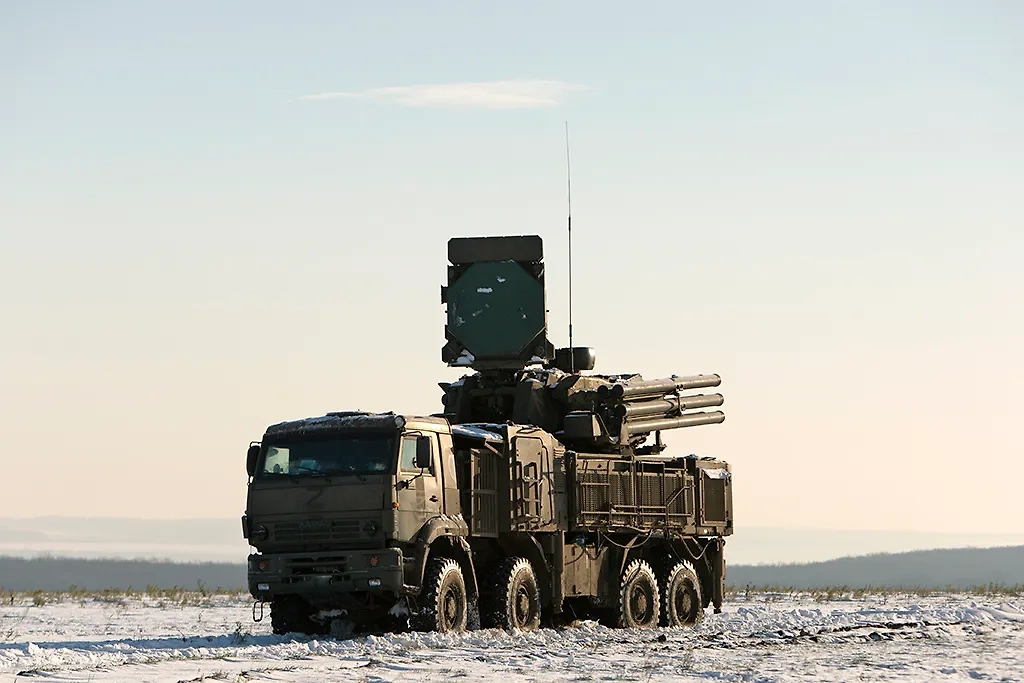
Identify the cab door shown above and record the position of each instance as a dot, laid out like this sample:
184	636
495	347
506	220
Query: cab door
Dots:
419	493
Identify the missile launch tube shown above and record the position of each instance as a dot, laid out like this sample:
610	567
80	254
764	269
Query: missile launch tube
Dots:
636	409
692	420
657	387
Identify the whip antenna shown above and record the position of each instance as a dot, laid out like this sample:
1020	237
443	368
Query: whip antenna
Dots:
568	178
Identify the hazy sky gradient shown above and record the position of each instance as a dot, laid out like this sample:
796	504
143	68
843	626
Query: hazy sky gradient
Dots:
218	216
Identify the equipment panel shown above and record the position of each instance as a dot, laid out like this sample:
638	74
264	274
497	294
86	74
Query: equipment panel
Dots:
609	492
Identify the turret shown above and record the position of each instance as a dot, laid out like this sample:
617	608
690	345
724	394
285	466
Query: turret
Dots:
497	326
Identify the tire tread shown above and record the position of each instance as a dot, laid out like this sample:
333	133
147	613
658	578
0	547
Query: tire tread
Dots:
672	568
634	567
496	610
426	618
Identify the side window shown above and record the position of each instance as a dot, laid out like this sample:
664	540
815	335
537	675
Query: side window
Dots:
409	455
276	461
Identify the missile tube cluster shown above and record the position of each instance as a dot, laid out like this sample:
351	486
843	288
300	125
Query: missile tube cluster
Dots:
648	406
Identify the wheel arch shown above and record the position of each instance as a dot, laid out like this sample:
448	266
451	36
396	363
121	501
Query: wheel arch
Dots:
442	538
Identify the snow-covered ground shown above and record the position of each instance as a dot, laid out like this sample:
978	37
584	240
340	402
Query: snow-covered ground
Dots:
765	638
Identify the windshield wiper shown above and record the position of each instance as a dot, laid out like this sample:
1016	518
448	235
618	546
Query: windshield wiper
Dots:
352	473
311	472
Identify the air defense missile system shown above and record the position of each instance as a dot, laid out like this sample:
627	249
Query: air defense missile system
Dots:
541	493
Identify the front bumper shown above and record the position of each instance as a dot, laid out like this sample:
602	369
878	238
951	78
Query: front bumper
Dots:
331	573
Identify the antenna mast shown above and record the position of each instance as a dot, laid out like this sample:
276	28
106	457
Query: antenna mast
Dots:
568	177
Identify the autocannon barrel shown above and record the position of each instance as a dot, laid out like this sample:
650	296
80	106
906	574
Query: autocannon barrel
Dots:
692	420
656	387
658	407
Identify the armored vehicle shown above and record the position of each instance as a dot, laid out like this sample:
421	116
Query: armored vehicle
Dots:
534	497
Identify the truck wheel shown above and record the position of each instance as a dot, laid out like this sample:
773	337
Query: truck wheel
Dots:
443	604
291	615
639	597
514	602
681	602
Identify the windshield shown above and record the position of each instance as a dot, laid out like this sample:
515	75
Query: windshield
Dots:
364	454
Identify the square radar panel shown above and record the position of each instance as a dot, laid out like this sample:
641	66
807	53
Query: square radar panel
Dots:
496	303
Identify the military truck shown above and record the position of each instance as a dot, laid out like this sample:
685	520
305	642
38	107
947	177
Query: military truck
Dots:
533	498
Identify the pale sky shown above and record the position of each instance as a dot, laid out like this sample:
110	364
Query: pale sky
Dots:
215	216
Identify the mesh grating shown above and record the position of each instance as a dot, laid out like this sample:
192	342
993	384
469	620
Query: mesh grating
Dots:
323	532
714	499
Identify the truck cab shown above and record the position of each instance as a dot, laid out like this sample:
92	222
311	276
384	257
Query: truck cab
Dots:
335	508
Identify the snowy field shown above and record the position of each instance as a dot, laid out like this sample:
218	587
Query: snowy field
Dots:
763	638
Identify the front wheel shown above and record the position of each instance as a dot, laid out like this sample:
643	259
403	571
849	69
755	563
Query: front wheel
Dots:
639	597
291	614
444	605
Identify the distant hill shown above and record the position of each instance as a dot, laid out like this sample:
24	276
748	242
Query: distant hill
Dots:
957	567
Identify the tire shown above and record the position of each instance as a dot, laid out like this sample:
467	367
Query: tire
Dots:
289	614
681	600
444	606
639	597
514	599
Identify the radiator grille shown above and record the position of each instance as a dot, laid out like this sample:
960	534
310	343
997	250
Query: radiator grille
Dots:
594	492
560	479
484	516
327	531
714	499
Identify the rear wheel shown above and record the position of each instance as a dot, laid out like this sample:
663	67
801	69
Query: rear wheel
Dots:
443	604
514	599
639	597
681	600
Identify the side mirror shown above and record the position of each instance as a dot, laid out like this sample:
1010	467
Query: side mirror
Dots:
422	453
250	458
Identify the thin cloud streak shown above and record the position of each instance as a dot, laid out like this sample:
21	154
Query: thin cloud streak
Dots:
510	94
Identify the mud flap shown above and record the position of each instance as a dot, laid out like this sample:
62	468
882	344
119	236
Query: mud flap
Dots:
472	588
718	575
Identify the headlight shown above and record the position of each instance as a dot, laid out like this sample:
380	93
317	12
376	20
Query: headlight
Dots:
370	528
261	533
